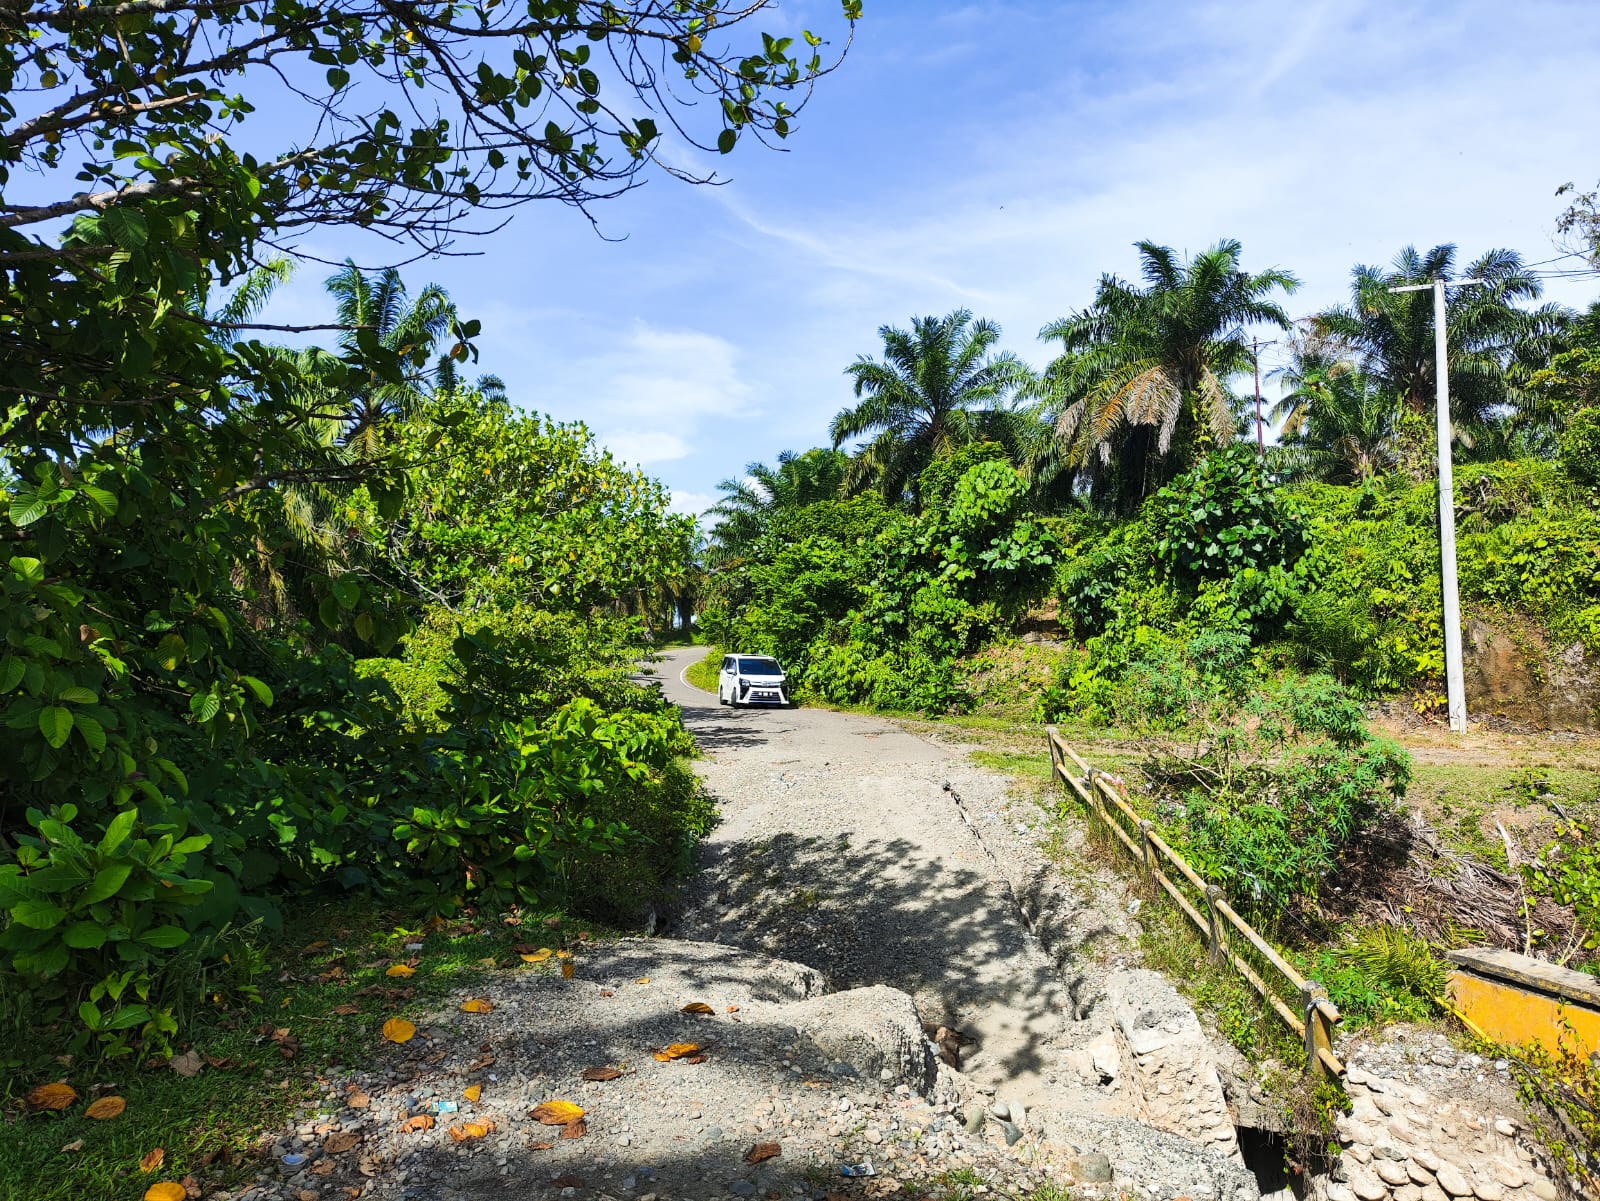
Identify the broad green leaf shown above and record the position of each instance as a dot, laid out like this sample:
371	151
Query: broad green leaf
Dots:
117	832
171	651
11	672
91	731
77	695
26	510
38	914
205	706
55	723
125	227
102	499
165	936
108	881
84	935
261	691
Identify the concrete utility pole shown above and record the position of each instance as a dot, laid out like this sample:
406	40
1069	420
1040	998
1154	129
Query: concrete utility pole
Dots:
1255	354
1455	682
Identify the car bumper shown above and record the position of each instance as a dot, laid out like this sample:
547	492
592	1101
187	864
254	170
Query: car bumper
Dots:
764	696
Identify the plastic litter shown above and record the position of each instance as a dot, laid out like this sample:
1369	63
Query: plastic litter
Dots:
857	1169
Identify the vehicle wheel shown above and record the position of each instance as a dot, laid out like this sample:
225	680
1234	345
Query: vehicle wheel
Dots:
721	700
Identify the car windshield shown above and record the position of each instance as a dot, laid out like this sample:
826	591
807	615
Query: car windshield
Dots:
750	666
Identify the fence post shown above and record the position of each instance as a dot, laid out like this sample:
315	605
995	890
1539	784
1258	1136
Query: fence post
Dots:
1319	1031
1055	752
1145	826
1214	933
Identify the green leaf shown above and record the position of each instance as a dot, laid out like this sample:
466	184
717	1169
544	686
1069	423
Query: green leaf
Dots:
26	510
27	569
165	937
125	227
11	672
726	141
108	881
55	723
338	78
195	842
77	695
103	500
91	731
89	1014
261	691
117	832
171	651
84	935
205	706
38	914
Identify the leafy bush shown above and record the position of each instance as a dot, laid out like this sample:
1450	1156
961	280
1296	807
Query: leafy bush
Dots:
1225	516
1580	446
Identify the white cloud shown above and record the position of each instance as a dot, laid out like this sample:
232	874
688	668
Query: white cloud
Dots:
643	448
692	503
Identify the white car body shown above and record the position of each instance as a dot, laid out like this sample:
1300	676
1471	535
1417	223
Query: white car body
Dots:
752	680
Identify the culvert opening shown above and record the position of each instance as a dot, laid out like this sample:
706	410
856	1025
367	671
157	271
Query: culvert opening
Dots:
1264	1153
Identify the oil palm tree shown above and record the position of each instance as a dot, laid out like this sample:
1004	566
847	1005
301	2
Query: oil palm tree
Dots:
1140	387
939	385
749	504
1390	334
409	328
1335	423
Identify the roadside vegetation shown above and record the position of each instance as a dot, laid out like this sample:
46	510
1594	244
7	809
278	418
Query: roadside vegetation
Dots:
1106	545
311	647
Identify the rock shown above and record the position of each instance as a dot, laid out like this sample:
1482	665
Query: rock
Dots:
1508	1174
1000	1110
869	1030
873	1135
1418	1171
974	1120
1426	1159
743	1188
1368	1187
1450	1179
1094	1167
1012	1132
1340	1192
1505	1128
1392	1173
1544	1190
1488	1190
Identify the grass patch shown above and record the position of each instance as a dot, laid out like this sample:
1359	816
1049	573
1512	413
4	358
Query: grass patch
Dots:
702	673
212	1126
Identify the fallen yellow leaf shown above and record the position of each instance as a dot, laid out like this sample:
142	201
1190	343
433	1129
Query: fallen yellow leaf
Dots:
556	1113
398	1030
167	1190
642	980
470	1130
538	956
53	1096
106	1107
477	1005
472	1092
401	969
422	1121
677	1051
153	1160
697	1007
563	954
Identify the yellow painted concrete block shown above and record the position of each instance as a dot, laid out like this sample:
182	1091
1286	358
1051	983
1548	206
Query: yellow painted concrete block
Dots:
1514	999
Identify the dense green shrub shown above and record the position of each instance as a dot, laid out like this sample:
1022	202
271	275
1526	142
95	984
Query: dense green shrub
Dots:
1580	446
1223	517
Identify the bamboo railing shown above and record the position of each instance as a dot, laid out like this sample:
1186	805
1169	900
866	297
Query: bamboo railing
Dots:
1227	935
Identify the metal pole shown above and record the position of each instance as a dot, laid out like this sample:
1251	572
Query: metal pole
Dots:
1455	684
1261	444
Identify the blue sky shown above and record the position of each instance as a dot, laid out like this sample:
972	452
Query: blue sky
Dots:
1000	157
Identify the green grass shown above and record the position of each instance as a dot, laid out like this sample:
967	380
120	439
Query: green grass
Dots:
208	1124
703	672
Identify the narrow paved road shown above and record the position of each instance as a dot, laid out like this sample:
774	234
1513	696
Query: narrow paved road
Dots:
842	846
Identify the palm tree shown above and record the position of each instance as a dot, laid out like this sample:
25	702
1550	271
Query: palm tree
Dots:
937	387
378	305
1390	334
1335	423
749	504
1141	384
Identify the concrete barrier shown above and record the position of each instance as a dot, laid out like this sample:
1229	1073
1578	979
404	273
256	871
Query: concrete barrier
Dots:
1514	999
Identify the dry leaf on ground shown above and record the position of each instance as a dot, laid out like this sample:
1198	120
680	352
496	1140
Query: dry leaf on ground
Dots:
186	1065
400	969
693	1059
105	1107
472	1092
191	1187
575	1129
75	1145
642	980
153	1160
166	1190
762	1152
218	1062
601	1073
359	1100
423	1121
556	1113
345	1010
52	1096
676	1051
477	1005
540	1146
733	1009
697	1007
398	1030
470	1130
338	1144
538	956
